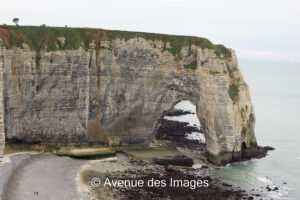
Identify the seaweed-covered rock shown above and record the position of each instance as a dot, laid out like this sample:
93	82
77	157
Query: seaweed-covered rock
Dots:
178	161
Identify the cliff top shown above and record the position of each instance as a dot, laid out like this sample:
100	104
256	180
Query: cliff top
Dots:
47	38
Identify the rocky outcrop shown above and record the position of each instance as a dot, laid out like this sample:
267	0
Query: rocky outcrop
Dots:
112	88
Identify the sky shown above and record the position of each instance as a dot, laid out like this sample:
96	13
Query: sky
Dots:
255	29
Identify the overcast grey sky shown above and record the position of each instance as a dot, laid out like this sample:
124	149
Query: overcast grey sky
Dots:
256	29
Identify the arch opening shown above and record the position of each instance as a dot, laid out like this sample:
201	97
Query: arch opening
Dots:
182	127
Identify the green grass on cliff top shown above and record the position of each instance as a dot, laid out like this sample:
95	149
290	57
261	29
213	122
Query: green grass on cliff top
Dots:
45	38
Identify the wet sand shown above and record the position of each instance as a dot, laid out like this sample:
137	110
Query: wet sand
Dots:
40	176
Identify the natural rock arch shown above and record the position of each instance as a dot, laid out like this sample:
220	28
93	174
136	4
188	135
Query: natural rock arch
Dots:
115	92
181	126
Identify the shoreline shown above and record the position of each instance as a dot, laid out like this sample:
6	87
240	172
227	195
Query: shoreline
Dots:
174	157
145	172
114	168
76	178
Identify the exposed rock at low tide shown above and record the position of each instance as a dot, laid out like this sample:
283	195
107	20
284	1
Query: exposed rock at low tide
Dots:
178	161
145	172
257	153
179	112
176	131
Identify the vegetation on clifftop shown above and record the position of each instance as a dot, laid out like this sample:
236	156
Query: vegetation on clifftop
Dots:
46	38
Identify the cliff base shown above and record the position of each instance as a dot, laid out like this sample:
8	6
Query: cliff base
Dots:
246	154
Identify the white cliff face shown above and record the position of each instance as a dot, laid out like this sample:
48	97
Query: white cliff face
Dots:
117	93
2	134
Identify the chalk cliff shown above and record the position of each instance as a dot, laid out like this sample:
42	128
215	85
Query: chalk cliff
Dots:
83	87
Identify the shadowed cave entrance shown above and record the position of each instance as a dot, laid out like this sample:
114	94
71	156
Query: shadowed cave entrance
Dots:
181	126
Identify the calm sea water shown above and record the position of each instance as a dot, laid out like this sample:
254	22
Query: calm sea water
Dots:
275	93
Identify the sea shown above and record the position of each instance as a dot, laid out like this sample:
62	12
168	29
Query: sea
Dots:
275	92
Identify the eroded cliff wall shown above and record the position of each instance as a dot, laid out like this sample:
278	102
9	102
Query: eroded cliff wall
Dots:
2	134
78	87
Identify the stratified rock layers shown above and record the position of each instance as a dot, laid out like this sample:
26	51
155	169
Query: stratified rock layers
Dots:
116	91
2	134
